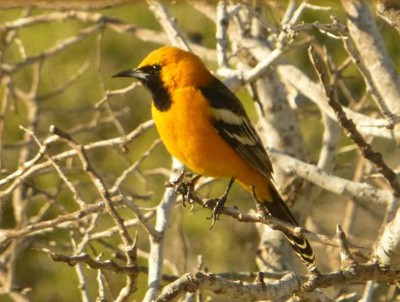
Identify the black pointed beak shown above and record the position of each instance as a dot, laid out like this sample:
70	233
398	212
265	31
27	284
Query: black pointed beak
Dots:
132	73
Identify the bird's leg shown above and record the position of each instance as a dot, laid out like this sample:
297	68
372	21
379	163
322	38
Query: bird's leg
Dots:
184	187
219	203
190	186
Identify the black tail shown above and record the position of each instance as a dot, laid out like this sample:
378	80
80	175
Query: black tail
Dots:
278	209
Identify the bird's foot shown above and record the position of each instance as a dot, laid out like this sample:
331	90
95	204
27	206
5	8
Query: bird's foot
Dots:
184	187
217	204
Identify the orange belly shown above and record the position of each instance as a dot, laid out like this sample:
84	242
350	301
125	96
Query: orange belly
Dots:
188	135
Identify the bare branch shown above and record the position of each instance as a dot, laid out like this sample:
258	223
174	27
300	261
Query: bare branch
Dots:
245	291
387	251
351	129
94	264
168	22
369	42
158	243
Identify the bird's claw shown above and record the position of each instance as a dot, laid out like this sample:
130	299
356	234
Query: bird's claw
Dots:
184	187
217	205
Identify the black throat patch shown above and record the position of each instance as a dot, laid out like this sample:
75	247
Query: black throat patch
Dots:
154	84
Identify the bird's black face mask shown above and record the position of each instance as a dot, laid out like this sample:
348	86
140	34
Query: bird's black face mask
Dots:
150	77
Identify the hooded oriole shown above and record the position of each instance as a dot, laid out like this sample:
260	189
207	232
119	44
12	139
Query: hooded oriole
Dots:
204	125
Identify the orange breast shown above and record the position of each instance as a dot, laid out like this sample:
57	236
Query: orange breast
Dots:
188	135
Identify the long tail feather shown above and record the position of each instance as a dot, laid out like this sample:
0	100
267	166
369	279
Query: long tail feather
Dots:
278	209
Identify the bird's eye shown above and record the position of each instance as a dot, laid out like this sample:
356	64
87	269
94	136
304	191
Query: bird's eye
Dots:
156	67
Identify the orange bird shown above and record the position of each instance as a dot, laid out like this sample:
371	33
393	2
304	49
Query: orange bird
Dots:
204	125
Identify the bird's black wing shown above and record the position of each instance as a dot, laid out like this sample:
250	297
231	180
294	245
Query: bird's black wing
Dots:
232	123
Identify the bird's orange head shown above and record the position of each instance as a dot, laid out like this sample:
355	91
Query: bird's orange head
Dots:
169	68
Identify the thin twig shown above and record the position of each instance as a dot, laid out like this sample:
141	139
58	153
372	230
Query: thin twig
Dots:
365	148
